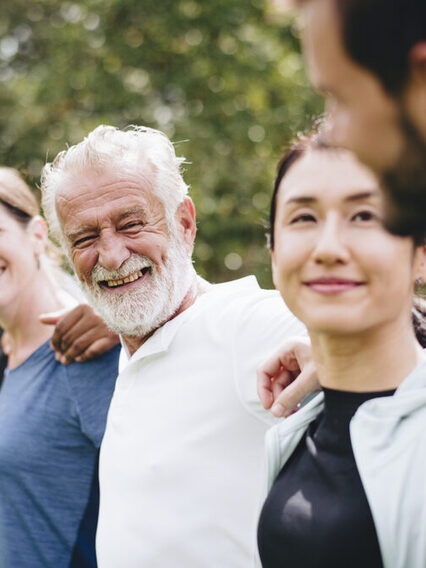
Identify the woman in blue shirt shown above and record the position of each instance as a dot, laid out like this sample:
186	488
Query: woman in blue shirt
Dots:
52	416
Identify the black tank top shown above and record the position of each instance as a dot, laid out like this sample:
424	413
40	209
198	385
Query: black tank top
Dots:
317	514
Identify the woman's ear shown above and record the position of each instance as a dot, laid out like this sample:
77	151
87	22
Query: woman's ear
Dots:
37	230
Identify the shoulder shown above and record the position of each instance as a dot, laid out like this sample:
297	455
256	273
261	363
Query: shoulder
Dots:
105	363
91	385
244	298
41	363
100	370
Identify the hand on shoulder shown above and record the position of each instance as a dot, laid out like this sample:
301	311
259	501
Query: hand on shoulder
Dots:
79	334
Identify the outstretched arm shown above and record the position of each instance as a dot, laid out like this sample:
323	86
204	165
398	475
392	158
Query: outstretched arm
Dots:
287	377
80	334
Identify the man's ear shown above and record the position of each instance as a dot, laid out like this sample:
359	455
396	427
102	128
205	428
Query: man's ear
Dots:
185	217
417	60
37	229
415	90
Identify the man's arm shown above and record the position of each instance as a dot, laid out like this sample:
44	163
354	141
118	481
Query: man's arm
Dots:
79	334
287	377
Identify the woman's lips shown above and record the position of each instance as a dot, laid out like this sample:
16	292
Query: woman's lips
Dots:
331	286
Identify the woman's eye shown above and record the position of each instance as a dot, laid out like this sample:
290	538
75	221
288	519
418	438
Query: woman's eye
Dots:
364	216
303	218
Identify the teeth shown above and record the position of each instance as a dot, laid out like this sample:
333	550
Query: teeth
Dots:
130	278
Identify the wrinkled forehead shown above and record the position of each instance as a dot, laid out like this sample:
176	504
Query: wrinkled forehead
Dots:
101	180
103	191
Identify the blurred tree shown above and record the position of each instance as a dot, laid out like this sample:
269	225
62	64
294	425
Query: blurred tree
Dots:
223	79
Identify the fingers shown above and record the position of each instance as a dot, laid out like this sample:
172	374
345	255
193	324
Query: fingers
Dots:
52	318
67	329
274	374
290	397
264	389
81	334
270	386
287	377
99	347
95	349
281	382
74	345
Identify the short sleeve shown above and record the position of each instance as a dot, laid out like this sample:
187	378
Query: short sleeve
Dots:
92	385
263	324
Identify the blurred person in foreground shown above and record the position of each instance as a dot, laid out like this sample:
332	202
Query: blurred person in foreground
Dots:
52	416
369	58
347	472
181	460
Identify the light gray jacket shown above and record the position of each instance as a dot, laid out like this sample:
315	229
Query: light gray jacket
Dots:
388	437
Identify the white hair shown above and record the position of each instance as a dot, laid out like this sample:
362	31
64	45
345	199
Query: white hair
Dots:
146	149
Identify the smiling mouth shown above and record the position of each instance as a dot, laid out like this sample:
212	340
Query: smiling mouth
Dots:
332	285
127	280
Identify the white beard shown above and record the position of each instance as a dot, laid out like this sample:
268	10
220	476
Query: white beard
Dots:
139	312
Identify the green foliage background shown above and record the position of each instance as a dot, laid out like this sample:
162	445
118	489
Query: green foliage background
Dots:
223	79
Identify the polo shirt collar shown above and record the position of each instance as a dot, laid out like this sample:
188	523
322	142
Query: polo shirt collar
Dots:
162	338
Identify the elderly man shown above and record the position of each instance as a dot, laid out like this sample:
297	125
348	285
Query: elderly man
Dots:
369	58
181	460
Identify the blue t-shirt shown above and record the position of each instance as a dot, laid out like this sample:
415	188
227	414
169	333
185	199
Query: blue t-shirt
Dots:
52	419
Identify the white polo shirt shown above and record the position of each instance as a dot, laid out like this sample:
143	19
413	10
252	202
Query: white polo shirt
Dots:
182	457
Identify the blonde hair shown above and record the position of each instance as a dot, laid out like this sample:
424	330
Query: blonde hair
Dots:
15	194
21	203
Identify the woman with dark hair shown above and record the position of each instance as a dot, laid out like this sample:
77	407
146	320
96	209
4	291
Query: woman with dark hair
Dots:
346	472
52	416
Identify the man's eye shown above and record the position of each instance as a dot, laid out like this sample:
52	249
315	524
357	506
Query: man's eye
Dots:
83	241
133	225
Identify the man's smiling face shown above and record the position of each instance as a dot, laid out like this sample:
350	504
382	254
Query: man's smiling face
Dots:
133	270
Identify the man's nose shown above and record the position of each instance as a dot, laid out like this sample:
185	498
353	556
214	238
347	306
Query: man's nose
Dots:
112	252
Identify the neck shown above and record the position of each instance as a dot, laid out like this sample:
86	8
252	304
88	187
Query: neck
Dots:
20	320
198	287
373	361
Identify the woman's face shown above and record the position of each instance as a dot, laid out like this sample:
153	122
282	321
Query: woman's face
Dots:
336	267
18	249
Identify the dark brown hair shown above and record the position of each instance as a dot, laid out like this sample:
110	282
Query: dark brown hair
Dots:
419	319
379	34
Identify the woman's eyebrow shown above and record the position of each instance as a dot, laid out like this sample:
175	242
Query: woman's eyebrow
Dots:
301	199
359	196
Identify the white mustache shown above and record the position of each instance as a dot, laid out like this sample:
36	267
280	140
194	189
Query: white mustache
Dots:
133	264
